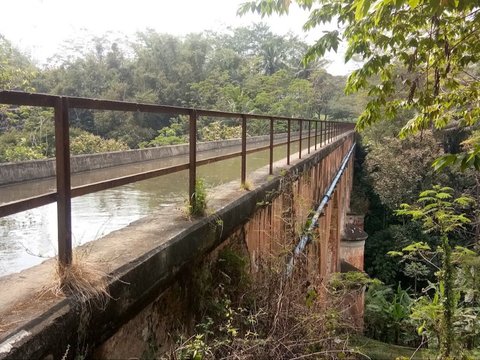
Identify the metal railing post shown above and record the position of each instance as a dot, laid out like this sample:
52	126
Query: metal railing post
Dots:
328	132
325	132
244	150
289	128
192	173
271	147
316	133
321	134
64	196
309	134
300	140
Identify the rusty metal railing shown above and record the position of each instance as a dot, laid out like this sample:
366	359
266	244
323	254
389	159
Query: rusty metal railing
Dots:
326	131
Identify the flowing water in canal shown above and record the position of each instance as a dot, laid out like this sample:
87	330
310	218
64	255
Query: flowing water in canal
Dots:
29	237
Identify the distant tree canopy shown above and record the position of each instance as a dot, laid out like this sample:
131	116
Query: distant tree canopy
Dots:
17	71
243	70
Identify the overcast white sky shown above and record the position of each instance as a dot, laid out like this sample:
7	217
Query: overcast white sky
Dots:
40	26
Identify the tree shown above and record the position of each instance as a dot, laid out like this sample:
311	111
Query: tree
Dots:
86	143
439	213
393	180
274	52
16	69
176	133
249	70
426	51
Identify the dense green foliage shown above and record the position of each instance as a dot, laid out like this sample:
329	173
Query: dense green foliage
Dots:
438	212
385	180
245	70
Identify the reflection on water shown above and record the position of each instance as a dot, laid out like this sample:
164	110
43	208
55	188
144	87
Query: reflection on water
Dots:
29	237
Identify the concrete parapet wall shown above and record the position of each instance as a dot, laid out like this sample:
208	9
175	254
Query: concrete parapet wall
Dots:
11	173
150	292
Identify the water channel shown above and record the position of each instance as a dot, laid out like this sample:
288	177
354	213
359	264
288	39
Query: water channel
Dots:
29	237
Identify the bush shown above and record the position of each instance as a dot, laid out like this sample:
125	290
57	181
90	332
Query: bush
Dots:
199	205
87	143
388	315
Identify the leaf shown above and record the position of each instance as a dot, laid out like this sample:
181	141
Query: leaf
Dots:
416	247
420	329
394	253
464	201
427	193
413	3
362	8
443	196
460	250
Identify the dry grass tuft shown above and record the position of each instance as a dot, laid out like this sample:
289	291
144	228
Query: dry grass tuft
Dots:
247	185
82	281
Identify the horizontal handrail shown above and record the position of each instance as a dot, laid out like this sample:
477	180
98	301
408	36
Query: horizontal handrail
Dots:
44	199
64	192
27	204
46	100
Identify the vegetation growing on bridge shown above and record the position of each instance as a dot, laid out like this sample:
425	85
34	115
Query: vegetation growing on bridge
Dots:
265	315
199	206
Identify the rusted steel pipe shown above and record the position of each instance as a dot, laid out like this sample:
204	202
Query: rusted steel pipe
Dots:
40	200
45	100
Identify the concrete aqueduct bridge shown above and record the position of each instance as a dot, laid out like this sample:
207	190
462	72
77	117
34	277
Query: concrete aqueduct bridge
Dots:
151	259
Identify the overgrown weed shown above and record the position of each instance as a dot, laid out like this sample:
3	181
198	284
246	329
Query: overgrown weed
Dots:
83	281
263	316
251	309
247	185
198	206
